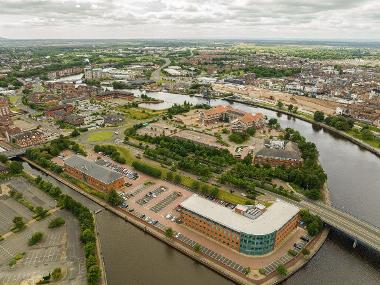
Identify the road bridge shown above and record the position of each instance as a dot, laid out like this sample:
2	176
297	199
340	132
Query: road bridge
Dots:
361	231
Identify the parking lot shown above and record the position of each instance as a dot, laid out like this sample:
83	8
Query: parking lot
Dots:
9	208
59	247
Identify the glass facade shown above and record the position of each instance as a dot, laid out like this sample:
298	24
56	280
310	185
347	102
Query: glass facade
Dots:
257	245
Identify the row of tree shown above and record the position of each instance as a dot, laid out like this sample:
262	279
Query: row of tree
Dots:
111	151
87	226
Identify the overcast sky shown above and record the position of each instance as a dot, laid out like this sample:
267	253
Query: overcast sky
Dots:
236	19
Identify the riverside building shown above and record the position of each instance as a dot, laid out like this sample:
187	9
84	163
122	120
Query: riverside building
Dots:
251	230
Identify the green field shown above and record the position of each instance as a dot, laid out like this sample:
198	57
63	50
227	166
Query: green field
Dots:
100	136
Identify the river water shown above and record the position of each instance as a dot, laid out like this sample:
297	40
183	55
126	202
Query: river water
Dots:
133	257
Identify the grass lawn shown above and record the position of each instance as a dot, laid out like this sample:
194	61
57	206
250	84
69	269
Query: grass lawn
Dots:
374	143
13	98
138	113
100	136
235	199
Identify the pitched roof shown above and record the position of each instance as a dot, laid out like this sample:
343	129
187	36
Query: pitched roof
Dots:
248	117
217	110
92	169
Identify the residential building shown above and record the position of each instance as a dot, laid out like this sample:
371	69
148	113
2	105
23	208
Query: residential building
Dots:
248	121
28	138
97	176
249	230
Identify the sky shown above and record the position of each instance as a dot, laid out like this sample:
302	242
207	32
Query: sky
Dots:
190	19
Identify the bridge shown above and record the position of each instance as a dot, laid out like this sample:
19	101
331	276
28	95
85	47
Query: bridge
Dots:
359	230
14	153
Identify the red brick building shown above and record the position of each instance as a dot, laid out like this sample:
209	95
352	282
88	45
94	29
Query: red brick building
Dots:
97	176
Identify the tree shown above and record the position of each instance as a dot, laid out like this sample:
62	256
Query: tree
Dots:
18	223
90	261
247	270
170	176
248	159
3	158
90	248
305	251
280	105
367	134
40	212
87	235
272	122
56	274
177	179
113	198
197	247
36	238
169	232
93	275
15	167
319	116
281	269
290	107
196	185
214	192
75	133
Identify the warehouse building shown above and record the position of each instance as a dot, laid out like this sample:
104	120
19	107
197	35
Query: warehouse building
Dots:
100	177
244	230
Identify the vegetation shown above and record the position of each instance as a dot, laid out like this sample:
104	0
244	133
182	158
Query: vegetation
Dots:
15	167
197	247
147	169
36	238
314	224
57	222
86	222
305	251
56	274
19	224
292	252
16	258
247	270
268	72
119	85
169	232
113	198
340	123
43	155
111	151
100	136
238	138
281	269
319	116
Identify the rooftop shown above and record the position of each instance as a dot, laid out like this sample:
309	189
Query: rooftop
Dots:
273	219
92	169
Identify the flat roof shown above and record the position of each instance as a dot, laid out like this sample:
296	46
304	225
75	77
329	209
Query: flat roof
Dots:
90	168
273	219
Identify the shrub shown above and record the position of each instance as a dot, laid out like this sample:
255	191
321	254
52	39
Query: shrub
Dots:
36	238
57	222
56	274
282	270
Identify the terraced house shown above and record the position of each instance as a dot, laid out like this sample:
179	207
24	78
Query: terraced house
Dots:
250	230
100	177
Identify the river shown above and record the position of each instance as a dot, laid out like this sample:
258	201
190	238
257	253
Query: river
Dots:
133	257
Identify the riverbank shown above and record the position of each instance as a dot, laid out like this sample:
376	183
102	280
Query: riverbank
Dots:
322	125
272	278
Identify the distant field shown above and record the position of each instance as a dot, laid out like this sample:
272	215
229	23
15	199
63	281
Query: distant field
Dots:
100	136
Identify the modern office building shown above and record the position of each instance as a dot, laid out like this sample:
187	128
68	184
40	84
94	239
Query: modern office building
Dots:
100	177
250	230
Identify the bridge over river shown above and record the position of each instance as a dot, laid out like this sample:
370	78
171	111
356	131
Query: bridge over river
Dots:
361	231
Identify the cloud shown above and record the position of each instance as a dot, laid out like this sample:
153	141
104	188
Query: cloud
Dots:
190	18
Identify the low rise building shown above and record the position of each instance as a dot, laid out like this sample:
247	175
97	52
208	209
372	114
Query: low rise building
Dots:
249	230
279	153
28	138
97	176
